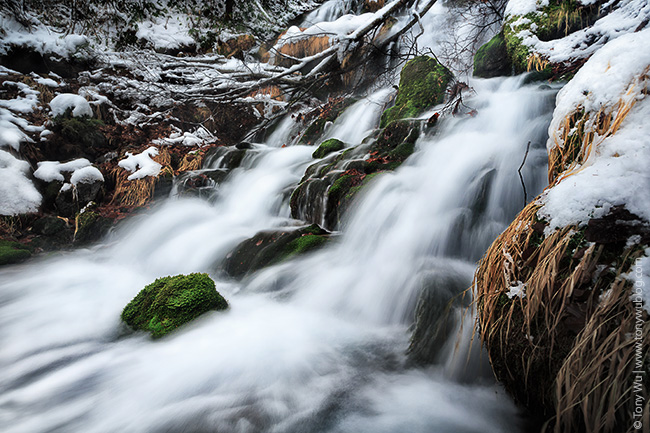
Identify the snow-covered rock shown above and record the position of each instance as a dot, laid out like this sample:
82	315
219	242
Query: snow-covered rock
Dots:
17	192
78	104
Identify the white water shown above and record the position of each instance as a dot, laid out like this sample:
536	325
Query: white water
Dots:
313	345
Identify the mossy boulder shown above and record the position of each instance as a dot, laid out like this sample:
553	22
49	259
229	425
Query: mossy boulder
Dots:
491	60
327	147
271	247
422	85
170	302
13	252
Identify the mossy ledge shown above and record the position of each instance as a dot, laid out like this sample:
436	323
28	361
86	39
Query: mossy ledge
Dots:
491	60
13	252
171	302
422	85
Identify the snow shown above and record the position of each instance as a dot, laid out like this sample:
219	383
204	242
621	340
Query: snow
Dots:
10	134
141	165
519	290
334	29
49	171
64	101
88	174
167	33
523	7
22	104
45	81
199	137
615	173
39	37
17	193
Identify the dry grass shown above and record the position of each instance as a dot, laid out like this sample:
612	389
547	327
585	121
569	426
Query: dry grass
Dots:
138	192
537	62
560	340
582	132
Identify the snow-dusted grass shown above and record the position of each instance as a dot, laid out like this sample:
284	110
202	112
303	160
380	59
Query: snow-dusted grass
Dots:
614	171
625	17
17	192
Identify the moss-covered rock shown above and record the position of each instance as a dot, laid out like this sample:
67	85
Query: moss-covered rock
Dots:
13	252
327	147
170	302
90	226
491	60
422	85
270	247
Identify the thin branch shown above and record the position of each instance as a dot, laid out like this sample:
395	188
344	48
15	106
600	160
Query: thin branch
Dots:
523	185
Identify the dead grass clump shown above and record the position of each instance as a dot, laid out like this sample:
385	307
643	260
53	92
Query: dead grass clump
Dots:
565	349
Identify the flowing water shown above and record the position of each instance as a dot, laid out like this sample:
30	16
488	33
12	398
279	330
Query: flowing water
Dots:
317	344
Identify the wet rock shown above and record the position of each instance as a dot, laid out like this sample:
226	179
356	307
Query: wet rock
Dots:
91	227
270	247
327	147
170	302
330	186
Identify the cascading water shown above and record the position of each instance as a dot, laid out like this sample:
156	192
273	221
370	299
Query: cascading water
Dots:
316	344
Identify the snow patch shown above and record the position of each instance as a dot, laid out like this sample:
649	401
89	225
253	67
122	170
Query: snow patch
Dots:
519	290
167	33
81	169
17	192
199	137
141	165
64	101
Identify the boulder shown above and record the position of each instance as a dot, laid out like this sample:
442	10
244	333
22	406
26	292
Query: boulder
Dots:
170	302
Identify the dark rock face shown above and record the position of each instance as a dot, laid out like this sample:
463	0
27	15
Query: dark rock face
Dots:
170	302
271	247
491	60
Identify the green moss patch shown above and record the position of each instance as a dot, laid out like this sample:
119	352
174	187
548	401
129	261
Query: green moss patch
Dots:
491	60
422	85
327	147
170	302
13	252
